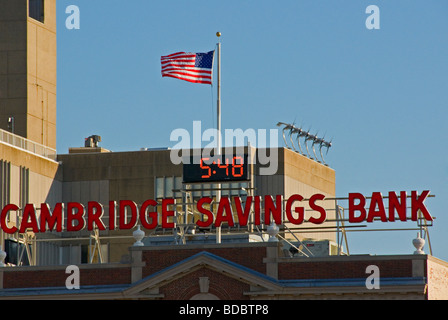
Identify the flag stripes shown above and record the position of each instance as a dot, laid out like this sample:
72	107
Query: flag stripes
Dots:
192	67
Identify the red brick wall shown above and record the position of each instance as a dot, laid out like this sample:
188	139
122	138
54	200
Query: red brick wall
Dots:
343	269
31	279
223	287
105	276
57	278
251	257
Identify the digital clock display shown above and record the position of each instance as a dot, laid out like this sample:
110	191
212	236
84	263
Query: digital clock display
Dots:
225	168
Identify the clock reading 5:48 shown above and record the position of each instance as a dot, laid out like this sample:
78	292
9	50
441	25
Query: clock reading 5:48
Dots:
235	169
217	169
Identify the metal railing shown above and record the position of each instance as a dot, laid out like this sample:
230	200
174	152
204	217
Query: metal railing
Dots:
28	145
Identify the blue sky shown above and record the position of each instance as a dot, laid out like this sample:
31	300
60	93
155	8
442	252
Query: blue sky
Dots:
382	95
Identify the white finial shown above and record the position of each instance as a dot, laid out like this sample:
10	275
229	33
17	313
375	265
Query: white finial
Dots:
418	243
138	236
272	232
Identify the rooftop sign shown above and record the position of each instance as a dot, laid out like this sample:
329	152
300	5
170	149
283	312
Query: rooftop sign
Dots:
74	216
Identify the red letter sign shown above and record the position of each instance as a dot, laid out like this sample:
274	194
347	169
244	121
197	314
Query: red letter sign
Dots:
358	207
79	216
417	203
299	210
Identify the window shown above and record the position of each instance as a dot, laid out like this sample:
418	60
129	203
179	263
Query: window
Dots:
17	253
5	183
24	186
36	10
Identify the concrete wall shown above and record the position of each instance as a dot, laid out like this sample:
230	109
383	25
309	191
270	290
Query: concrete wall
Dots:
115	176
41	77
28	71
31	179
298	174
13	64
437	272
131	175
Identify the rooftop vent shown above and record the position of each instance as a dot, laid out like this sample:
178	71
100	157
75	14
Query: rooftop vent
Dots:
90	146
92	141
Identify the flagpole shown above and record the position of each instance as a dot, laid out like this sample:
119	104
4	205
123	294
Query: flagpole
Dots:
218	34
218	193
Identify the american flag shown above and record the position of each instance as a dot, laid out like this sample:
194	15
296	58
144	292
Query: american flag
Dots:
192	67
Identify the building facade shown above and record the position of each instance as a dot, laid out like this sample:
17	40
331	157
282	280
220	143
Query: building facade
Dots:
244	271
28	70
176	258
33	174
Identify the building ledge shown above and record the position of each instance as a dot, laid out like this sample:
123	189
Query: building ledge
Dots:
88	150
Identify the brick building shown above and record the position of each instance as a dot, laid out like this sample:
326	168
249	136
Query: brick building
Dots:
181	262
233	272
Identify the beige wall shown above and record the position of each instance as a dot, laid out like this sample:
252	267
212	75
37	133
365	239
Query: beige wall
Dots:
437	273
309	172
44	179
40	165
44	189
114	176
298	174
13	63
131	176
41	77
28	71
118	176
